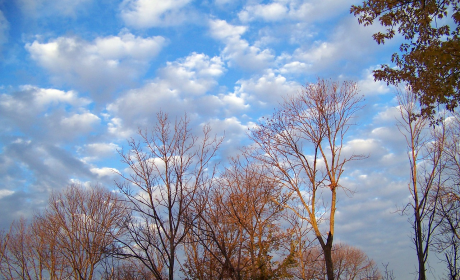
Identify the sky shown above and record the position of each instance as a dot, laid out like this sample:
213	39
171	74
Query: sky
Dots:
79	77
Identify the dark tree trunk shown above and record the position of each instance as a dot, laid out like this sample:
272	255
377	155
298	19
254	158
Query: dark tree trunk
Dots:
327	250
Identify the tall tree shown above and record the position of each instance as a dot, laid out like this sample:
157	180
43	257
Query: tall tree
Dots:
168	168
429	57
303	145
425	147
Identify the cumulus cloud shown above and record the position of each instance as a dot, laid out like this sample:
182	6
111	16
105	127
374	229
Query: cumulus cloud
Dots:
293	10
79	122
98	150
388	115
267	89
104	172
238	51
349	41
150	13
268	12
184	83
100	66
369	86
42	113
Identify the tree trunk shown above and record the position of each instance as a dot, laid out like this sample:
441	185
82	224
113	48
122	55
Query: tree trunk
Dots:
327	249
420	253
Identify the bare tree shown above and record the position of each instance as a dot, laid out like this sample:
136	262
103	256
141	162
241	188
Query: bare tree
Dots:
18	261
240	231
425	147
350	263
28	255
388	273
447	239
124	269
302	142
168	168
83	224
4	238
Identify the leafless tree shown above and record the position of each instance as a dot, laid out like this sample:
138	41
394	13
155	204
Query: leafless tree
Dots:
168	168
447	239
27	254
302	142
17	261
350	263
4	238
240	231
388	273
83	224
425	147
124	269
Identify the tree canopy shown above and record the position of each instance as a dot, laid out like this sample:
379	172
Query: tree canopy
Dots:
429	58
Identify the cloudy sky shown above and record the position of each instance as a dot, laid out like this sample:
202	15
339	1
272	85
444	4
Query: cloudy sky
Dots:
78	77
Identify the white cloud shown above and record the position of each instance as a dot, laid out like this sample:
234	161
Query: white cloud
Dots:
369	86
80	122
100	149
49	97
104	172
348	42
30	101
237	50
235	102
235	132
267	12
389	114
100	66
298	10
221	30
366	147
268	89
294	67
195	74
181	86
5	193
47	113
150	13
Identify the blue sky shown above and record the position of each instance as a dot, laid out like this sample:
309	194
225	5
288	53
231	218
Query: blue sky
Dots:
78	77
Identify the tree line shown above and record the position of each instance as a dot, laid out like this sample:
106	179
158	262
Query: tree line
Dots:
268	213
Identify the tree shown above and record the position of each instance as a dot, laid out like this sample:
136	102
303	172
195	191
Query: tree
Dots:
429	58
168	168
302	144
83	224
19	258
425	149
349	263
69	240
447	239
240	233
